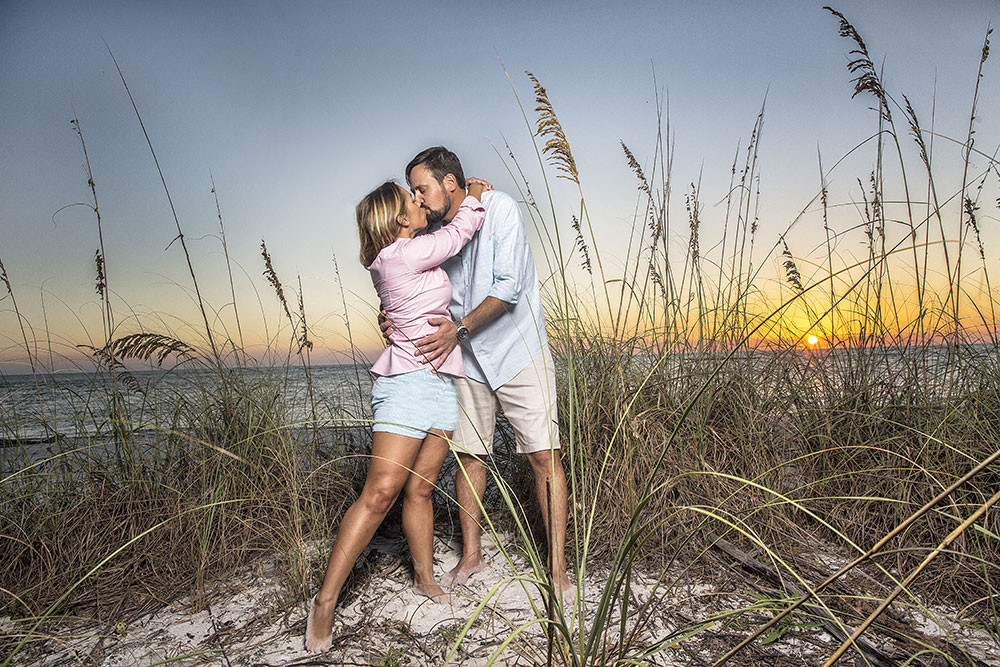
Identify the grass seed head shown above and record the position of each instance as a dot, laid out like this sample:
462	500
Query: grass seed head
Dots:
548	125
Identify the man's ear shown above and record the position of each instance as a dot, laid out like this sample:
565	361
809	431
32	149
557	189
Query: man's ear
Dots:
450	182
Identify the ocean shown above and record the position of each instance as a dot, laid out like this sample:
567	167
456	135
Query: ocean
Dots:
77	404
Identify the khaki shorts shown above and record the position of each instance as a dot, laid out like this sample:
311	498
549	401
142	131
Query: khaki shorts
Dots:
528	401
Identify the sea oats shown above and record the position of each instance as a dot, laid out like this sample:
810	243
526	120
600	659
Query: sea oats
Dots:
149	347
272	278
548	125
918	136
691	204
115	368
971	221
303	337
581	244
102	283
636	168
792	274
4	278
866	79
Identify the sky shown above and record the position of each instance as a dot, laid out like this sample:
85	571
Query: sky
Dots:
296	109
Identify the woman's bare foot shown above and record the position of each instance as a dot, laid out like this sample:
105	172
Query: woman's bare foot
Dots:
465	569
432	591
319	626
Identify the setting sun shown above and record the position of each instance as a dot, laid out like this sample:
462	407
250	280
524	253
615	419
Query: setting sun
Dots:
812	340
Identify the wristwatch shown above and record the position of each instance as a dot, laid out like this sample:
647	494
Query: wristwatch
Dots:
463	331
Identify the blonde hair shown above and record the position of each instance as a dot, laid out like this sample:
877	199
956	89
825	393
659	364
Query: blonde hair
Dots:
378	219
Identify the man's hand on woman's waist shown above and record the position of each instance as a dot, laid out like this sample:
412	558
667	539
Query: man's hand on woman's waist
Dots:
439	344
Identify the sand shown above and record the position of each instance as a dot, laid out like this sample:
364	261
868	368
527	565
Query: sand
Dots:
252	620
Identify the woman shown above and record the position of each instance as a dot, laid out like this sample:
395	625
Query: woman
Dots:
414	407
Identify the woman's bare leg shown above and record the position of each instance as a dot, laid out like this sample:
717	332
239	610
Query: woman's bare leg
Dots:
392	460
418	513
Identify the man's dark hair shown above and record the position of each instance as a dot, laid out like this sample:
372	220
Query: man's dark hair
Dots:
441	162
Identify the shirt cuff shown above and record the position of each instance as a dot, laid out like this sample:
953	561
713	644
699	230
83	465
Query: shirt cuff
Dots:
507	291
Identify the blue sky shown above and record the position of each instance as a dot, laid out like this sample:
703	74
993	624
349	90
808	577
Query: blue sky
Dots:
297	109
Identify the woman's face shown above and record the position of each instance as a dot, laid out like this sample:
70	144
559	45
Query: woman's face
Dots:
415	215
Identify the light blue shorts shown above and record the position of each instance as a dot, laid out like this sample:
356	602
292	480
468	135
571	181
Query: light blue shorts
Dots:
413	403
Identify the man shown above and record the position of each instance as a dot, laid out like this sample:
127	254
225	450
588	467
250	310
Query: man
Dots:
497	316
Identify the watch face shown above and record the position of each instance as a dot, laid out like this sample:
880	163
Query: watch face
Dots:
463	333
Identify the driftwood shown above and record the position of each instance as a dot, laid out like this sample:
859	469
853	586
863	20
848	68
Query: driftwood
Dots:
830	624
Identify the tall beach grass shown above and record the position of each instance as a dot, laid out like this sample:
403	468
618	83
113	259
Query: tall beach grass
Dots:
700	430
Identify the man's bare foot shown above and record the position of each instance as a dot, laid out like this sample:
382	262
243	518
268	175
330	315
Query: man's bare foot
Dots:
465	569
566	592
319	626
432	591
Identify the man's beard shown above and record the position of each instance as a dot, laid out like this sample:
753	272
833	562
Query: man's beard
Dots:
435	216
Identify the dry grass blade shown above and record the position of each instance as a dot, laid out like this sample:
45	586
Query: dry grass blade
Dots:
20	320
954	535
357	361
982	465
229	266
180	234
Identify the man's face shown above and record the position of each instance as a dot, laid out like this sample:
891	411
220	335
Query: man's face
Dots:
430	193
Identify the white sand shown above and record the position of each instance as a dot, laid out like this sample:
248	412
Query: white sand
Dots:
382	622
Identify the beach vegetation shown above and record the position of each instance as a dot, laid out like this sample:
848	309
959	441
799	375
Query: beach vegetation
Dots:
820	424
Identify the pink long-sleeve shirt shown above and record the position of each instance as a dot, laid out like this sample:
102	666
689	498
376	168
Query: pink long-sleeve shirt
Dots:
413	289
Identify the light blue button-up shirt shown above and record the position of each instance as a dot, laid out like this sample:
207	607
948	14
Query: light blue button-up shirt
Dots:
498	263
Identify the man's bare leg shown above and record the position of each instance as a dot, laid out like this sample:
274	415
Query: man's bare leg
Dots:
418	514
470	486
550	482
